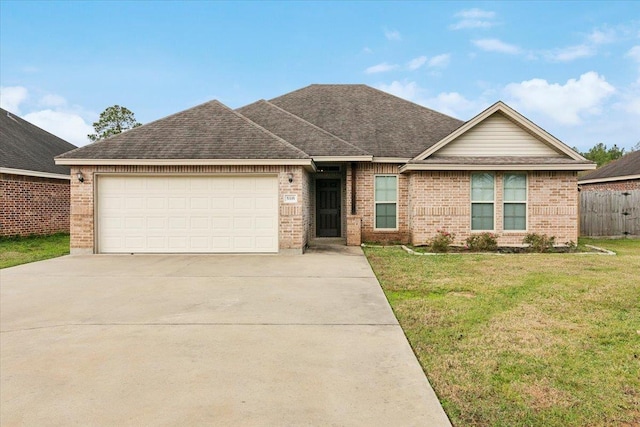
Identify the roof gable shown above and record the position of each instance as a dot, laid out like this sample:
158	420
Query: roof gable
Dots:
497	136
375	121
207	131
27	147
307	137
499	131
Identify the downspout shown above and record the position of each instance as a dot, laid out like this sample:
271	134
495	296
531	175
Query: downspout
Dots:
353	188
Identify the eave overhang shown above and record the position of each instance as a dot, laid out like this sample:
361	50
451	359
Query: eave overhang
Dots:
610	179
38	174
486	167
307	163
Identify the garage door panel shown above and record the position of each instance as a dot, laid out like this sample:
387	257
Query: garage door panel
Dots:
187	214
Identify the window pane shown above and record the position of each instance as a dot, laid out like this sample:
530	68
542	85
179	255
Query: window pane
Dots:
515	216
386	215
482	187
515	187
482	216
385	189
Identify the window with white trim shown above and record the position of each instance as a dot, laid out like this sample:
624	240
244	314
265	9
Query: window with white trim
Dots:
515	201
482	201
386	201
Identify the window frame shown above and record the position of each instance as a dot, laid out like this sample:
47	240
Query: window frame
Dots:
525	202
376	202
472	202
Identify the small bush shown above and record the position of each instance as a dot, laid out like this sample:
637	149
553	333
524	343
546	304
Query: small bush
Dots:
482	242
441	241
539	242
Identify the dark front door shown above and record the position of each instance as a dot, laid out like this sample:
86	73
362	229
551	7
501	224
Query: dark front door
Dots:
328	208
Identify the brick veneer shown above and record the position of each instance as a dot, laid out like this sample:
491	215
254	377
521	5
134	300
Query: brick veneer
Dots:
293	218
441	201
33	205
427	201
365	174
626	185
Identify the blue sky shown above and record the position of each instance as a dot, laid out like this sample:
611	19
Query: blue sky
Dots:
571	67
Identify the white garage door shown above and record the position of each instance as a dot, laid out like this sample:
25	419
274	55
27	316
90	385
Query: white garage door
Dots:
173	214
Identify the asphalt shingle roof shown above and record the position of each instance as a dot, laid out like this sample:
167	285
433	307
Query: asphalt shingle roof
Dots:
377	122
207	131
26	146
304	135
627	165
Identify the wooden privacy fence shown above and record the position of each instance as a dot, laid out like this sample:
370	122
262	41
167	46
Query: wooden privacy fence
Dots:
614	214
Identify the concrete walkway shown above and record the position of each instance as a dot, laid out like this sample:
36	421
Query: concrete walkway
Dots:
206	340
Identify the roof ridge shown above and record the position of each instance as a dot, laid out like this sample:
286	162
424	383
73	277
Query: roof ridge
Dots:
314	126
260	128
414	103
136	129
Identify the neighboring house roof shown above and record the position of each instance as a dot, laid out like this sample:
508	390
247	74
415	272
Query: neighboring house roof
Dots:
625	168
375	121
27	148
309	138
207	131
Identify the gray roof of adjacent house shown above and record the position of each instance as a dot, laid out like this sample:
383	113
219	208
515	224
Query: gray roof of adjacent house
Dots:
207	131
377	122
25	146
628	165
304	135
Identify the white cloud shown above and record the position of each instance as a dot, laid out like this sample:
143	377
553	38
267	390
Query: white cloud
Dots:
51	100
416	63
367	50
407	90
454	104
473	18
380	68
572	52
440	61
602	36
392	35
68	126
634	53
12	96
50	112
495	45
565	104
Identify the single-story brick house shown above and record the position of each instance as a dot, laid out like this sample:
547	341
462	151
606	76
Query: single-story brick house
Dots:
323	161
34	191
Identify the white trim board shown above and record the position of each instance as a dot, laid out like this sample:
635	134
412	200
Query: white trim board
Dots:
38	174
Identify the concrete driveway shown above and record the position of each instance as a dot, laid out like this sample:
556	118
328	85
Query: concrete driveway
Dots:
206	340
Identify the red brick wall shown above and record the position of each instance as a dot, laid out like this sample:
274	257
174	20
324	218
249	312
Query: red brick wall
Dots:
631	184
441	201
33	205
365	202
293	219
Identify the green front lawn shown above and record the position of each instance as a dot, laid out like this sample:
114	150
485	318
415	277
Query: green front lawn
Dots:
523	340
21	250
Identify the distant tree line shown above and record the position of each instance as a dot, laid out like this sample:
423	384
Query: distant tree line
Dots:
601	154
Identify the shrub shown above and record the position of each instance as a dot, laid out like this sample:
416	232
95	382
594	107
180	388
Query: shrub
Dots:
482	242
539	242
441	241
